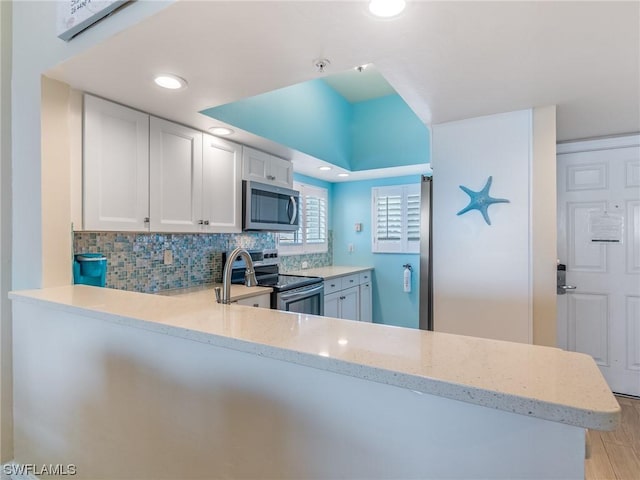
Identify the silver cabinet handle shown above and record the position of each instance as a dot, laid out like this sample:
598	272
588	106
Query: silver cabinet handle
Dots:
200	222
271	177
206	222
146	219
568	287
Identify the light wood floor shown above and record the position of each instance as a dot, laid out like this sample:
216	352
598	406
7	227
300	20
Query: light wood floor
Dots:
616	455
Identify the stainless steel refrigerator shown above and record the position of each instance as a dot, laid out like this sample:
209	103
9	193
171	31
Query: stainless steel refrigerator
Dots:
426	254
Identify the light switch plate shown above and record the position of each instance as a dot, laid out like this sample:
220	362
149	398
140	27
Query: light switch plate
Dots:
168	257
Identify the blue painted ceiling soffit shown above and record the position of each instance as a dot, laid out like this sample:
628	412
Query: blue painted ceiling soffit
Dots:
315	119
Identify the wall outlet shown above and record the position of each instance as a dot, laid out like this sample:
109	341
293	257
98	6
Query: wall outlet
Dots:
351	248
168	257
305	265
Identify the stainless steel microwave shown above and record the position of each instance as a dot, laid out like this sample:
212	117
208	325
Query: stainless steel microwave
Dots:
269	208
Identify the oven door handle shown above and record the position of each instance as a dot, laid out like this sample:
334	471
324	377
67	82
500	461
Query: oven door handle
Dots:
303	292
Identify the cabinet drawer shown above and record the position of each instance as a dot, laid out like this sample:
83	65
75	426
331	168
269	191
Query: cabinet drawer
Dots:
349	281
365	276
260	301
332	285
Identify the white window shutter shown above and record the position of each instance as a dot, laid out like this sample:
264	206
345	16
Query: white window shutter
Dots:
312	235
395	219
316	219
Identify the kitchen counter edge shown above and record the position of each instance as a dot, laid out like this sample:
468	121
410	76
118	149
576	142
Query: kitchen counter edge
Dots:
177	317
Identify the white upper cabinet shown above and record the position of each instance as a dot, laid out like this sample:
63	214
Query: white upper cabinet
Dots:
175	179
222	186
116	167
265	168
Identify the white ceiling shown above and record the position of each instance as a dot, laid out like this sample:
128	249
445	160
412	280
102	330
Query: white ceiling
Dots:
448	60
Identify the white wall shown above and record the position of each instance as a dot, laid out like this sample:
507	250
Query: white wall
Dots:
6	405
122	402
482	273
35	49
56	183
544	230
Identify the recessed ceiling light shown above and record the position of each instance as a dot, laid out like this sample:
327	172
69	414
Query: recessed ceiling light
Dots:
324	168
343	174
221	131
169	81
386	8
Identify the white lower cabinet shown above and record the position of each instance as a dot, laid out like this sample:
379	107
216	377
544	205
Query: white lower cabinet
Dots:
365	302
331	305
343	304
349	297
259	301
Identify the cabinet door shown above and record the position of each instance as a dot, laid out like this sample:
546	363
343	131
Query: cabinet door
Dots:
116	167
265	168
221	185
280	172
255	165
350	303
332	305
365	302
175	177
259	301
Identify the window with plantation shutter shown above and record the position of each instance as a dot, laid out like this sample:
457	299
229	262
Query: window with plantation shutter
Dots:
396	219
312	236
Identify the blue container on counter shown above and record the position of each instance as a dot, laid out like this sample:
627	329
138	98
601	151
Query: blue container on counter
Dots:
90	269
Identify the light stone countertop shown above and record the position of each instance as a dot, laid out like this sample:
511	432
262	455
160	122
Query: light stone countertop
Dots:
330	272
542	382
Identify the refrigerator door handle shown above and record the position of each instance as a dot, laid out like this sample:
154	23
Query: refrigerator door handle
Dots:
426	254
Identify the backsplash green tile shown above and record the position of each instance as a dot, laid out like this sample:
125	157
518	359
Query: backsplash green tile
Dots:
290	263
135	261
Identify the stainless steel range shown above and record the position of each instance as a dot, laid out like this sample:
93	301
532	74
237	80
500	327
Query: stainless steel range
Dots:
291	293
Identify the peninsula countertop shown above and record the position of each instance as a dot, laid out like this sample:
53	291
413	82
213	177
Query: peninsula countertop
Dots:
329	272
542	382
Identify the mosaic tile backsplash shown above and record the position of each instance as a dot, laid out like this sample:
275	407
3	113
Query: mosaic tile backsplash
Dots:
135	261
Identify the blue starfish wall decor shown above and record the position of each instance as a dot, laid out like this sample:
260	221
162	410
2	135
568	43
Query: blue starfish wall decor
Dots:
481	200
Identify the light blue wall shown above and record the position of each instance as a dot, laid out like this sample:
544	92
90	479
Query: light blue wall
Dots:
310	117
351	203
313	118
386	133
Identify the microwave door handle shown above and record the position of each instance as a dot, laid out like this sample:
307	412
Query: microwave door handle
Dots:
294	214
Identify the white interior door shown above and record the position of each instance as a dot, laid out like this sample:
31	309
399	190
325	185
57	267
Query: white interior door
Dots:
601	317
